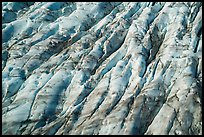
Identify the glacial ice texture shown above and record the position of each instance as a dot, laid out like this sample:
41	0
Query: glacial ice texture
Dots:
102	68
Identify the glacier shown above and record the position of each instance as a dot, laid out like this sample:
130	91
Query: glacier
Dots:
102	68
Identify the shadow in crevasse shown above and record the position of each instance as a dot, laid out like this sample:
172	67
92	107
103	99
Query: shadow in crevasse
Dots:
146	112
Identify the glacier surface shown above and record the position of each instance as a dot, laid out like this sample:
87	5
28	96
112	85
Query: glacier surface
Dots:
132	68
